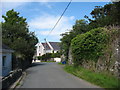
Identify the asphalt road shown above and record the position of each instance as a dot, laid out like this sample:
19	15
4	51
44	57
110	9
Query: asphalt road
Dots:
52	75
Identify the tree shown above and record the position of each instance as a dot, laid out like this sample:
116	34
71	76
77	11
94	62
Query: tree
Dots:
89	46
104	16
15	34
92	44
80	27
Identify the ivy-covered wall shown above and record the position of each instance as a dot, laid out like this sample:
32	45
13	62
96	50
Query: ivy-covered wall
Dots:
97	50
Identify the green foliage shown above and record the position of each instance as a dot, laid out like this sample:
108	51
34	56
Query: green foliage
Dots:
16	35
80	27
102	79
48	56
56	55
65	43
104	16
89	46
60	63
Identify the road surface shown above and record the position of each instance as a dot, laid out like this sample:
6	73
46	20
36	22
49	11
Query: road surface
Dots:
52	75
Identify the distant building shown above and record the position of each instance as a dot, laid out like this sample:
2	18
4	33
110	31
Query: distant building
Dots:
48	47
6	54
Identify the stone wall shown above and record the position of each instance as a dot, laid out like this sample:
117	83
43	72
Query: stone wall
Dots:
11	78
109	62
70	59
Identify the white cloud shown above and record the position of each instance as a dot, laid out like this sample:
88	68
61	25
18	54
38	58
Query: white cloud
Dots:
28	0
11	5
72	17
8	5
46	4
17	0
5	6
0	12
45	23
55	0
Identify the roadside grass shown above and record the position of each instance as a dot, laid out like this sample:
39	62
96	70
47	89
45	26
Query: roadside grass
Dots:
18	84
60	63
100	79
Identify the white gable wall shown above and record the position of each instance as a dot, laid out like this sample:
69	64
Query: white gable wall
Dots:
57	59
49	51
40	49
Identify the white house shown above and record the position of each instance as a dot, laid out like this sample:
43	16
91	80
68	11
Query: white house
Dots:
48	47
6	60
39	49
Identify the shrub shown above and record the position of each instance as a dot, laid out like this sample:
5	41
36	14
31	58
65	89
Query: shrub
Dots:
48	56
39	57
89	46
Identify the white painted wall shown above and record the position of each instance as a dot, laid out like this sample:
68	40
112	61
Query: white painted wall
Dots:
40	49
57	59
55	51
36	61
48	51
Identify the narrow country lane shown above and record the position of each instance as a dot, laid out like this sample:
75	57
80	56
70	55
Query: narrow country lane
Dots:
52	75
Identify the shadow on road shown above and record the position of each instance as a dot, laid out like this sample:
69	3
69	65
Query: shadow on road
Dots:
36	64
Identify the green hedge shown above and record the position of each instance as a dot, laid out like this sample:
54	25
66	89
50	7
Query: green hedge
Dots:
89	46
48	56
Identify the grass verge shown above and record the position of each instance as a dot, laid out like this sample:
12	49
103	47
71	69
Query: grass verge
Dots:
100	79
60	63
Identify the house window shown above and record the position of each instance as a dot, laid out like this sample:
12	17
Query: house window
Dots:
3	60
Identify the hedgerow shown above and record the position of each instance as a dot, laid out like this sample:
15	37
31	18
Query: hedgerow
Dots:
89	46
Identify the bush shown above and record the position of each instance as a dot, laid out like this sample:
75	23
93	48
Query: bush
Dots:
54	55
45	57
89	46
48	56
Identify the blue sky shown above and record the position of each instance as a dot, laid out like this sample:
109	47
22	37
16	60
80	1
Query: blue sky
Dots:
41	16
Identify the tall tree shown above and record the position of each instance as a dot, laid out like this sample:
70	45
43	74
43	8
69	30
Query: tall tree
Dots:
80	27
104	16
15	34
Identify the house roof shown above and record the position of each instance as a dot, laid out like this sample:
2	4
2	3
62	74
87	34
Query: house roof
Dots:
5	47
46	46
55	45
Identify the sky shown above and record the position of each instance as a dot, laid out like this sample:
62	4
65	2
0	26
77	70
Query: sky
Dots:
42	16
